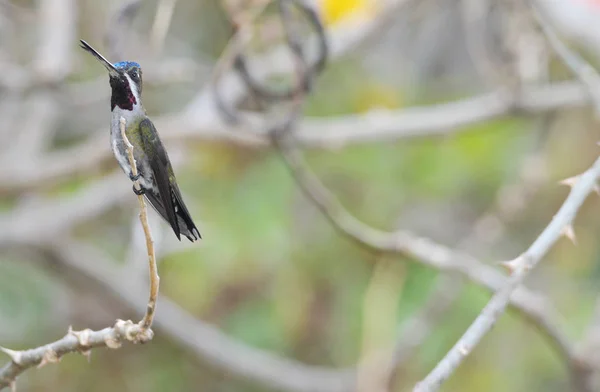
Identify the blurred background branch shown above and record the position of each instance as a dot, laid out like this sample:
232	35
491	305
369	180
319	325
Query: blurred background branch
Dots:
448	121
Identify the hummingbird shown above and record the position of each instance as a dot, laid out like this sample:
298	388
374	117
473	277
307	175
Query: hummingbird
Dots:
155	172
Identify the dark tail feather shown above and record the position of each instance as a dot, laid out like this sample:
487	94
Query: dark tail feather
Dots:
184	224
188	228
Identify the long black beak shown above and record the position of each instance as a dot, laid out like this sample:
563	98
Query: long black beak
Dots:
111	68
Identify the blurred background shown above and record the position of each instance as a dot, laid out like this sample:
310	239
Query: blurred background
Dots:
451	119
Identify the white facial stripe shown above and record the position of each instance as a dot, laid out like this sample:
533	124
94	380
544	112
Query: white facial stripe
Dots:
134	89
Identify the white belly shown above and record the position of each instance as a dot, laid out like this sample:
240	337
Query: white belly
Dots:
120	152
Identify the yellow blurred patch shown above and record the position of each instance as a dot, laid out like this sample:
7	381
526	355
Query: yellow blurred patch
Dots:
336	10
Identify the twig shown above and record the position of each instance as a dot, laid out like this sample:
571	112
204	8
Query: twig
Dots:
60	215
530	305
87	339
447	289
520	267
205	342
74	341
146	322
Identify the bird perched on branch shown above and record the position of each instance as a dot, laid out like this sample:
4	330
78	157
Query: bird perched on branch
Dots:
155	173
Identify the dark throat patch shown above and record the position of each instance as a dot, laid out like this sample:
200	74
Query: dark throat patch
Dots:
122	96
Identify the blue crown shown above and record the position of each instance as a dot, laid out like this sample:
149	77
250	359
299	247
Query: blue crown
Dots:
126	64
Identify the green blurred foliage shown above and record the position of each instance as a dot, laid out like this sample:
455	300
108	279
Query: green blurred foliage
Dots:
273	273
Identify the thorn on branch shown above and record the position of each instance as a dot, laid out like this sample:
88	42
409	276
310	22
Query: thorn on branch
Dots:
83	337
570	182
87	354
15	356
569	233
49	357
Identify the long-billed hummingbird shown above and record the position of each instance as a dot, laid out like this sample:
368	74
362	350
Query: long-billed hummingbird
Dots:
155	173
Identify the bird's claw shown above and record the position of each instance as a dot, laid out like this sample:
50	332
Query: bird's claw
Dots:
138	192
134	178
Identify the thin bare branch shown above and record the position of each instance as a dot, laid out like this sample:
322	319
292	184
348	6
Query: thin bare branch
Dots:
532	306
146	322
399	242
73	342
112	337
205	342
520	267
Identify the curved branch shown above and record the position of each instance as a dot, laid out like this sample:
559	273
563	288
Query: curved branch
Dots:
530	305
204	341
520	268
307	78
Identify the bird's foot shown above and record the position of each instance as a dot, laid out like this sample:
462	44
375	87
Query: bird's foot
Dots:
134	178
139	192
